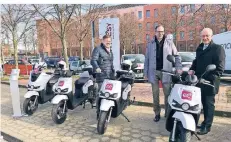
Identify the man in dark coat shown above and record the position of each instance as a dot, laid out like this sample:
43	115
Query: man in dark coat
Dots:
208	53
102	62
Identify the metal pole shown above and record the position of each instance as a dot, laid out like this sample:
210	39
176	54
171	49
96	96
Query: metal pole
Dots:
93	34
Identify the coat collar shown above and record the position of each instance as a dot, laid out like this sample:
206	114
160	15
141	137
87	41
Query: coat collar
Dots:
104	48
207	49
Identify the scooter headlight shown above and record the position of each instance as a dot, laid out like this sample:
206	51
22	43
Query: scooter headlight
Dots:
106	94
114	95
185	106
195	108
65	90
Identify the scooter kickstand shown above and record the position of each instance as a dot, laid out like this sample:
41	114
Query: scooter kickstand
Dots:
84	104
196	136
125	117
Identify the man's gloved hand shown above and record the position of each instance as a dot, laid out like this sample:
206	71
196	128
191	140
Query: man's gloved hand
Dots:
98	70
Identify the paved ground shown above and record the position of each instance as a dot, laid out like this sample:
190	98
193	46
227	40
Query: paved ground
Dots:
80	125
143	93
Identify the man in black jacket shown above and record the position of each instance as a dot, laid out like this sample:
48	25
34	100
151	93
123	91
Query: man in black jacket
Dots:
102	62
208	53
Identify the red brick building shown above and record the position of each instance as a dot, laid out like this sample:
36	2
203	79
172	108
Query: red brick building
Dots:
184	21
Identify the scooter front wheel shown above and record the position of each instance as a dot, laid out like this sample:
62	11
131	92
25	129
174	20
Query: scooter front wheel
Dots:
102	122
57	113
30	105
181	134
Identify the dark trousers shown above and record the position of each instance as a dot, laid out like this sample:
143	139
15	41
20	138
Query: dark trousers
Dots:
208	102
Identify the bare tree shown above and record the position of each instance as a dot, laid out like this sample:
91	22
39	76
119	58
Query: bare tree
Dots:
84	15
17	19
224	13
58	17
130	32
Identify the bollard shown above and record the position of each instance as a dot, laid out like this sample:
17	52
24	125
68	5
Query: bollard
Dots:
14	91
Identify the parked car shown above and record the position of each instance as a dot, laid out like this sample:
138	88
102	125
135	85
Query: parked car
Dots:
187	59
77	66
139	60
73	58
52	61
21	62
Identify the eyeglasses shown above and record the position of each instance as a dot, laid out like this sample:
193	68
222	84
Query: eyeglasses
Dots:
160	31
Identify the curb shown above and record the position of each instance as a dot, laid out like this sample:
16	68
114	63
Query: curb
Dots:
20	86
10	138
147	104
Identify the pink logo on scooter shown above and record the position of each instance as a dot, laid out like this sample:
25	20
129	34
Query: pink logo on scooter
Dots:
109	86
186	95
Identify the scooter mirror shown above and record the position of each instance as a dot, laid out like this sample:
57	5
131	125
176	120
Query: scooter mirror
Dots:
171	59
210	68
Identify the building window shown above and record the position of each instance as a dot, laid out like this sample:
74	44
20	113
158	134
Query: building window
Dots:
147	37
191	21
155	25
173	10
182	9
155	13
140	26
192	7
148	26
181	35
213	20
225	5
181	22
147	13
140	14
222	30
191	35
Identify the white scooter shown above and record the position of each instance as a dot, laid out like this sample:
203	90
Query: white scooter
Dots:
68	98
185	106
39	89
114	96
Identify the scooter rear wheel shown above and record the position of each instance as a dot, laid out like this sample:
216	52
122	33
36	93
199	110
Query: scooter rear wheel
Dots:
28	105
102	122
57	113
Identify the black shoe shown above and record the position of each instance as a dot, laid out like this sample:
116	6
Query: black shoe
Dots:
203	131
201	126
157	118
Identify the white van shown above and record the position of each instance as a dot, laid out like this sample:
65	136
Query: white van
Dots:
224	39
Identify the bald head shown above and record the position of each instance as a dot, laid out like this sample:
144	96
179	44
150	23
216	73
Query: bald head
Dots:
206	35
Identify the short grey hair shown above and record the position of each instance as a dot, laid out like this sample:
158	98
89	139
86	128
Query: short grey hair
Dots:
210	31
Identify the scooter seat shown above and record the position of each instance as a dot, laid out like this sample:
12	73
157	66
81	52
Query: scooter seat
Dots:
81	80
53	80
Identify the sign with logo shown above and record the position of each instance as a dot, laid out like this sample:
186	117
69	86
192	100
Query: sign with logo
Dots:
109	86
224	39
186	95
110	26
